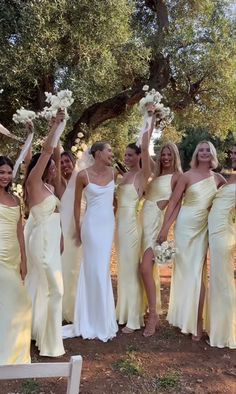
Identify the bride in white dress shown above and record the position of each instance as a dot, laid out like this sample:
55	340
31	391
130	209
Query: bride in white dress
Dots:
94	309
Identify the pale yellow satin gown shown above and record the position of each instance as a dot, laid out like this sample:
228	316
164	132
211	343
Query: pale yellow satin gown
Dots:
159	189
15	305
222	290
44	247
191	240
128	243
71	255
32	277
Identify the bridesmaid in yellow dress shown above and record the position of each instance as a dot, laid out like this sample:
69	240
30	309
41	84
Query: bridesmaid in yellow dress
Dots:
44	246
166	170
32	278
222	242
15	305
128	235
65	190
198	186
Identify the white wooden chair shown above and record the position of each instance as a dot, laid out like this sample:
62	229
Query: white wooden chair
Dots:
71	370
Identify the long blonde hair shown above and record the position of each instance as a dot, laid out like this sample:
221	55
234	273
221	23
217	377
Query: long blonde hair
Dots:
214	161
175	155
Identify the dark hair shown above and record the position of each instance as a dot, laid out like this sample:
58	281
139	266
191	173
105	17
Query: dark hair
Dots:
70	156
4	160
97	146
135	147
31	165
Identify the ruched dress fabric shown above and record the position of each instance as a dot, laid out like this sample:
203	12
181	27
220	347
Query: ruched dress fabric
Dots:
159	189
191	239
15	305
44	248
71	255
95	308
222	290
128	243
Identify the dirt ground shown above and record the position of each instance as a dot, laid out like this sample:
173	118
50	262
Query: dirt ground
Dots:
168	362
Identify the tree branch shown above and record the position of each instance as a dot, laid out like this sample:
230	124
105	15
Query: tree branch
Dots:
160	8
98	113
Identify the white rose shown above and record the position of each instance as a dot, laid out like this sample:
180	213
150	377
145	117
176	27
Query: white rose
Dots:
165	244
84	147
80	135
145	88
74	149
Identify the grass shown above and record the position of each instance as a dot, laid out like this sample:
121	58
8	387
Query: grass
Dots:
30	387
169	380
130	365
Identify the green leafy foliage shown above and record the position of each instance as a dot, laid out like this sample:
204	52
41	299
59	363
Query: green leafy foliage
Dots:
98	49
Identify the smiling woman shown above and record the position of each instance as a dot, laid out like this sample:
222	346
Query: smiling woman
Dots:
198	186
95	309
166	171
15	306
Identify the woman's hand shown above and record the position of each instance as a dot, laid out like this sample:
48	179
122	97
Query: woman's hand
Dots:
60	116
29	127
77	238
23	269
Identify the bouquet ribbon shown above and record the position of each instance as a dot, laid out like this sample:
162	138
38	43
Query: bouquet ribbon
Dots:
60	128
23	153
6	132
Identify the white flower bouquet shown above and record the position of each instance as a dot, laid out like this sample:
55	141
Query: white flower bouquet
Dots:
62	100
164	253
151	104
24	116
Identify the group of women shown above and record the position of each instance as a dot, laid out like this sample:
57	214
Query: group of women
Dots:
68	238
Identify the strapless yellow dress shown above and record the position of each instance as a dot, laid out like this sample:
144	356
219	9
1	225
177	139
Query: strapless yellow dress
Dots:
222	290
15	305
44	248
159	189
128	243
191	240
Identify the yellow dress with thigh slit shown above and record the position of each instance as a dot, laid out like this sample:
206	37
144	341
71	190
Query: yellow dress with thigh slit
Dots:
222	290
15	305
159	189
191	240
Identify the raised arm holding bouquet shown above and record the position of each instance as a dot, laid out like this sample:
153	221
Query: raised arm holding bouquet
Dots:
44	246
128	230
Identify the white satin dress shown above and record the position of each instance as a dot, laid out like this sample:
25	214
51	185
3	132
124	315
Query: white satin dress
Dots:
95	309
